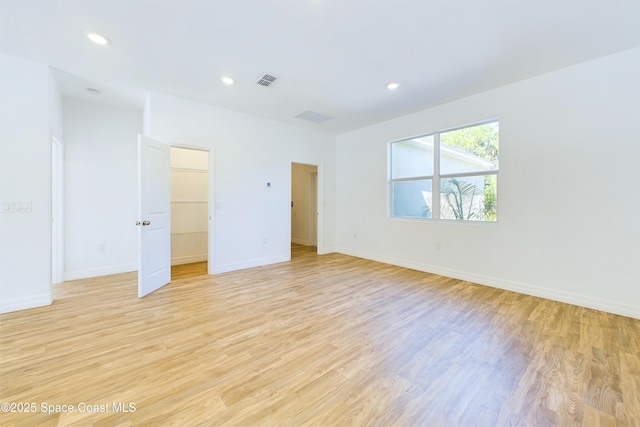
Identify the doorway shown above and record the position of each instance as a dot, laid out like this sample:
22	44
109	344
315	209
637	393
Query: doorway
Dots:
304	205
189	205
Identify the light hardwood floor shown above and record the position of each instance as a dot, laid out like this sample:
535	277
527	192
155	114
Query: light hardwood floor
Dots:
322	340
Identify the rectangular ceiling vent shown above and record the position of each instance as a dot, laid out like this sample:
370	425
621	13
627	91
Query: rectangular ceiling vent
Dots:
267	80
312	116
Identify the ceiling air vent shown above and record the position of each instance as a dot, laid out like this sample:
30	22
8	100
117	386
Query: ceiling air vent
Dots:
312	116
267	80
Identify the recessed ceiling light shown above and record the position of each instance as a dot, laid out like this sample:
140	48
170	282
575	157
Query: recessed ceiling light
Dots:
393	85
93	91
227	80
98	39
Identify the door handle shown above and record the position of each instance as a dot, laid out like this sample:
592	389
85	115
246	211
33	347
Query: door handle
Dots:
143	223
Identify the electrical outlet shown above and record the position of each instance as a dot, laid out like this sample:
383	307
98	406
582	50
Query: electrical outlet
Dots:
7	206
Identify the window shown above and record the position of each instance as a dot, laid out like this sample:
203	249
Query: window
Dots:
449	174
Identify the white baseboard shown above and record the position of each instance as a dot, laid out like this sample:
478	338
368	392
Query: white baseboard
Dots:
609	306
326	250
250	264
26	303
188	259
105	271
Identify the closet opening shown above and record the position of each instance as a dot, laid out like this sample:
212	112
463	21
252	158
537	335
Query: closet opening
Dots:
189	207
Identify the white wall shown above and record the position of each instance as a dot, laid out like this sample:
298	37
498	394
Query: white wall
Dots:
28	114
301	212
55	110
568	224
252	224
100	188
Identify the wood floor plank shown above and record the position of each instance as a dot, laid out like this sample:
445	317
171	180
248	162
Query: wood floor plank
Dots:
630	386
326	340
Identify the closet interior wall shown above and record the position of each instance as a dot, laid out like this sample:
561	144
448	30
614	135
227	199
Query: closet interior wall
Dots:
189	205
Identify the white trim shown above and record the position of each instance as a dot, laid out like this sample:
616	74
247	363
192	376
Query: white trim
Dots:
436	208
250	264
211	201
327	250
313	208
24	303
57	210
320	206
609	306
211	237
96	272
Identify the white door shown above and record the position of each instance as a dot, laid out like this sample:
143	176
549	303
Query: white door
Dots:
154	215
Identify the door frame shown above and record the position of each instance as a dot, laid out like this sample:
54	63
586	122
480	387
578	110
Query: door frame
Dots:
313	206
57	210
211	240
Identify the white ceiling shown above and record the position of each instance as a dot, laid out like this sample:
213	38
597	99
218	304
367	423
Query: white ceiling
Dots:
333	57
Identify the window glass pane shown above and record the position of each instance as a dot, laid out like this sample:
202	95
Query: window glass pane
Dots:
412	198
471	149
412	158
469	198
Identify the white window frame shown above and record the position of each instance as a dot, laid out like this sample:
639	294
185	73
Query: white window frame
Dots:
436	178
